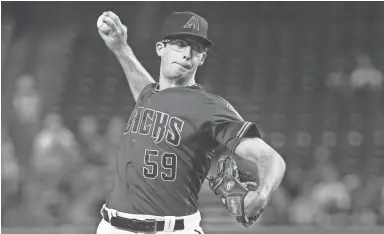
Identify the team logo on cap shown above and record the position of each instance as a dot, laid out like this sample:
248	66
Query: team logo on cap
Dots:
192	23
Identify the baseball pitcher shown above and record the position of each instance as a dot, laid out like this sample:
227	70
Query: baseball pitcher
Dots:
171	137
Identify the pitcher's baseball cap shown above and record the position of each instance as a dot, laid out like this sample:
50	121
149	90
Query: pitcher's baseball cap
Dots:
186	23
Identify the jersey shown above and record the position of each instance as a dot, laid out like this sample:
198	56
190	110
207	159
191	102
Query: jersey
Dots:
167	147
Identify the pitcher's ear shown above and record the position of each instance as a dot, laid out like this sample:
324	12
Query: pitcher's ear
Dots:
204	56
160	48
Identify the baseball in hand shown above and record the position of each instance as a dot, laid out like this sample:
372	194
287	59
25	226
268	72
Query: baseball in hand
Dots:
102	26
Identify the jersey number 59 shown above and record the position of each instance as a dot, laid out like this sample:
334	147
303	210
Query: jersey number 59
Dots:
168	164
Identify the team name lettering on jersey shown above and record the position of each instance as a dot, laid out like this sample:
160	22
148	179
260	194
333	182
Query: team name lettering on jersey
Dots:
159	125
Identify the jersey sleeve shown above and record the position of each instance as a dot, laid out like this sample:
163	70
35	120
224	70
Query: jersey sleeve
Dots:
146	90
226	126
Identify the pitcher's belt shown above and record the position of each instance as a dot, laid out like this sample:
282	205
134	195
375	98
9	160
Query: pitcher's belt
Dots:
135	225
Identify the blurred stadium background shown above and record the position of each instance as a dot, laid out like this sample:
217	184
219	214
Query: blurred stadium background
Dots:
309	74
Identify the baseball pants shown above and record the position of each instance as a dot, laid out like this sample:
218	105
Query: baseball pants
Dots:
191	223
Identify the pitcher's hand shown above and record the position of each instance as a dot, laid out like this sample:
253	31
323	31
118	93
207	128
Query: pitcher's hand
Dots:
112	31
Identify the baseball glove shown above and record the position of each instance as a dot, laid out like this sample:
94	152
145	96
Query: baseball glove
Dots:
232	186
